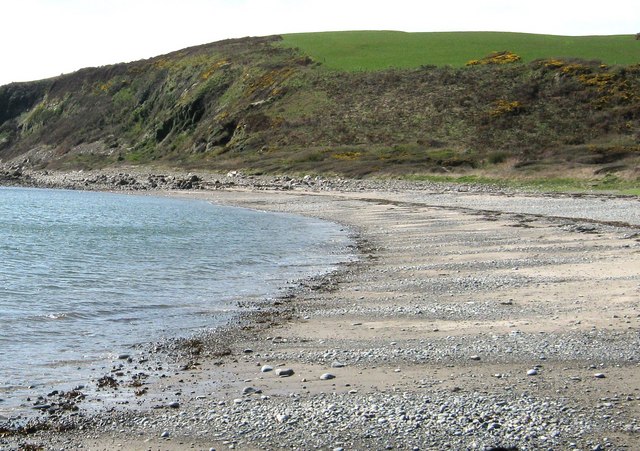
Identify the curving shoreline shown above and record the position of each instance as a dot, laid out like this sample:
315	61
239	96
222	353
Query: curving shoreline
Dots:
437	329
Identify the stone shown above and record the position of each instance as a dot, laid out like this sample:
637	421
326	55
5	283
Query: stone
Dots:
599	375
474	357
327	376
282	417
266	369
165	434
338	365
284	372
42	406
532	372
174	405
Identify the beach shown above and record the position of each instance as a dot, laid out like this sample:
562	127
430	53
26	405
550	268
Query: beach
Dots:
472	319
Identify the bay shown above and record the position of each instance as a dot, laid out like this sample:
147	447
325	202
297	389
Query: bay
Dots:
85	275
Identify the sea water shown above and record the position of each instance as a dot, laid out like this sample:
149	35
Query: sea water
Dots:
85	275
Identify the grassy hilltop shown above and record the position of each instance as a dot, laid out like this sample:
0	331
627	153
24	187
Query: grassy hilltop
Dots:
352	103
377	50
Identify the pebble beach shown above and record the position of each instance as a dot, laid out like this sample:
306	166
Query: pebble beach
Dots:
472	318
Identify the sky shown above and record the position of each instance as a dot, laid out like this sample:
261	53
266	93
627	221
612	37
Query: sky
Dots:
45	38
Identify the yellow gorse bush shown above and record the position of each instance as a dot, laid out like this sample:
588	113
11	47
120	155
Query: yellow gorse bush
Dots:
503	107
504	57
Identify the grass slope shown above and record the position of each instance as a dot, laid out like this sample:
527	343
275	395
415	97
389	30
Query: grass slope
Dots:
374	50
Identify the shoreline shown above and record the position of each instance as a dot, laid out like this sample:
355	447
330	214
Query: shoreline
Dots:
430	339
168	352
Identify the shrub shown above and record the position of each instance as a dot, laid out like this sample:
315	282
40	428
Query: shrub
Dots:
497	157
504	57
504	107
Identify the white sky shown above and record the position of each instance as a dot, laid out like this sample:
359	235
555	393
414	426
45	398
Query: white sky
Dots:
44	38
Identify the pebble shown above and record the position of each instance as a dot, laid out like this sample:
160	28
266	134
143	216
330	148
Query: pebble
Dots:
338	365
165	434
599	375
266	368
474	357
174	405
532	372
327	376
284	372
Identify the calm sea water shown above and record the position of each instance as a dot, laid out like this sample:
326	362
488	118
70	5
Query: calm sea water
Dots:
83	276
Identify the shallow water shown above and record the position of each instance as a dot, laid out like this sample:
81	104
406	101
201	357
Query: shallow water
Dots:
84	276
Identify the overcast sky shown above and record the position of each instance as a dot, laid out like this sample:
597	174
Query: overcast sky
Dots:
44	38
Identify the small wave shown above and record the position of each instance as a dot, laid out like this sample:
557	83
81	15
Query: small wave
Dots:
64	316
63	363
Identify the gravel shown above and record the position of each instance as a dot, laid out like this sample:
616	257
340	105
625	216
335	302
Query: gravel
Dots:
434	420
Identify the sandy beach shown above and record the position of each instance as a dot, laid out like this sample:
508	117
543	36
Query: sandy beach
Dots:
471	320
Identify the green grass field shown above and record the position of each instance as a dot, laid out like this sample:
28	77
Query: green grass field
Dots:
373	50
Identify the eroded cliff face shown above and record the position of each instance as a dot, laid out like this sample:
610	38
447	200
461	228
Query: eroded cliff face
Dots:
198	100
255	104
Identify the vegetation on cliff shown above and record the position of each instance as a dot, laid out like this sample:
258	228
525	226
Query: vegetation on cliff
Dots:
264	105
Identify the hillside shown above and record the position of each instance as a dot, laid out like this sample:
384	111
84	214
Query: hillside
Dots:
265	106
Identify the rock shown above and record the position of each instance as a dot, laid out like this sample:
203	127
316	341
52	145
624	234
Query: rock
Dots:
284	372
338	365
327	376
248	351
42	406
282	417
532	372
174	405
250	390
474	357
266	368
123	356
599	375
165	434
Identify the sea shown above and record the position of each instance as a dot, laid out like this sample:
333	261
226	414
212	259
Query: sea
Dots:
87	276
